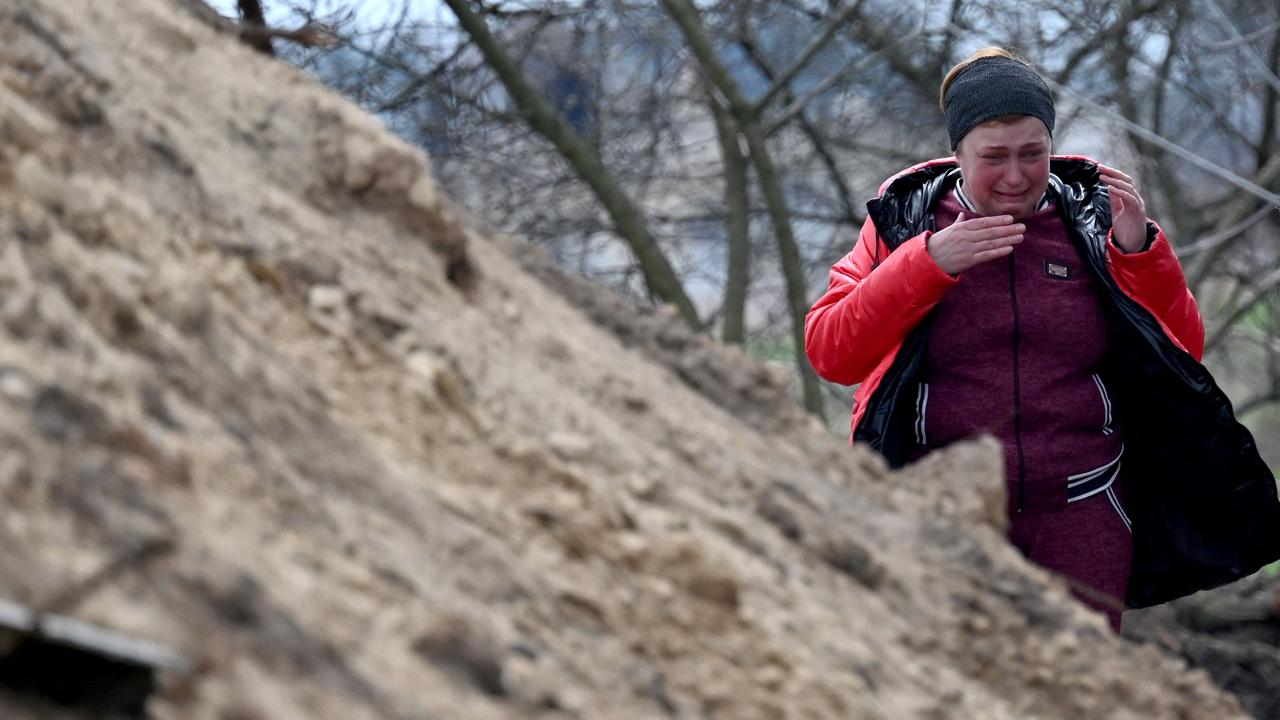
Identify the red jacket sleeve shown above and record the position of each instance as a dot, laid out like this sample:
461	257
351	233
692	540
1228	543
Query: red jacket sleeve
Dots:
1154	278
868	309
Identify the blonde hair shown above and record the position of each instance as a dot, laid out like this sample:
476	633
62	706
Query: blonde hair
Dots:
954	72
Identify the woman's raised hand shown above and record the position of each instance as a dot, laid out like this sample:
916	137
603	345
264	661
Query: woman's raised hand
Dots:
1128	211
966	243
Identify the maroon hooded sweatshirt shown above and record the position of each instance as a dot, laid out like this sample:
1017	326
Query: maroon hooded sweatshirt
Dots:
1015	350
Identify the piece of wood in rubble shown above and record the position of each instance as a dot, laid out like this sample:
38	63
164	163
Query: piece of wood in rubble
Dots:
1217	614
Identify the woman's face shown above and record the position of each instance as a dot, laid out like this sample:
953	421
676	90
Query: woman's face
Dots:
1005	165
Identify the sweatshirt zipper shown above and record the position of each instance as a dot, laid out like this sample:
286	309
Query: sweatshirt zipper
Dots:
1017	383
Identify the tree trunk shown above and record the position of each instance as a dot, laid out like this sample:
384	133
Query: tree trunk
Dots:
251	15
686	17
737	226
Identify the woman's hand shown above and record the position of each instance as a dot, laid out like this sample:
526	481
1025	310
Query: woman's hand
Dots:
1128	212
966	243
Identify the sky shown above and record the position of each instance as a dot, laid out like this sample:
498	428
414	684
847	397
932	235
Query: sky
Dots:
279	11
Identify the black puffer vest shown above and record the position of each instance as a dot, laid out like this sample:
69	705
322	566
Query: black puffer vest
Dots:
1202	501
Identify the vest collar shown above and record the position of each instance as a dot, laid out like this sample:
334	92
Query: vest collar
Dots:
904	208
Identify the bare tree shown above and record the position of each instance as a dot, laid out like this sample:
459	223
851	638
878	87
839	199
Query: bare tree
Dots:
737	229
726	93
543	118
738	121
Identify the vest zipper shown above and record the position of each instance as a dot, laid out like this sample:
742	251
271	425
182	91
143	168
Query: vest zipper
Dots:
1017	383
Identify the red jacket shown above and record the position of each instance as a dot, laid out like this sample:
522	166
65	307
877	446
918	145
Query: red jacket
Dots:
1203	503
876	296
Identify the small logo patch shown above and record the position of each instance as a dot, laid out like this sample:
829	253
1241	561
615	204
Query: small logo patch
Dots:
1057	271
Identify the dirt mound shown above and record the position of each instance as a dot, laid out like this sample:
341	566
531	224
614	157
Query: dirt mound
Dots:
1233	632
403	478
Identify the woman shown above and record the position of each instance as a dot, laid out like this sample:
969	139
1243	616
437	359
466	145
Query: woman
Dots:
1026	295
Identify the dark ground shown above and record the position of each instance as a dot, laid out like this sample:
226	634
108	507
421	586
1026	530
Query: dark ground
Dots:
1233	633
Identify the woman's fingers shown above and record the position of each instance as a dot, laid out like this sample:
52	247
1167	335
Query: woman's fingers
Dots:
983	229
1106	171
1128	212
1120	184
1117	183
1128	196
981	222
1001	242
999	232
973	241
988	255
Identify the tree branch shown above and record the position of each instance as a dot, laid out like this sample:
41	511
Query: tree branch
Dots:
783	81
1236	211
1213	241
1264	69
1263	289
843	192
659	275
687	18
737	225
1257	402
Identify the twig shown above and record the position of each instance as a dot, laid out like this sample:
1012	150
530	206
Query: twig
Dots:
787	75
1260	291
1242	39
134	557
1244	184
1258	61
1254	403
309	35
1226	235
790	111
1112	602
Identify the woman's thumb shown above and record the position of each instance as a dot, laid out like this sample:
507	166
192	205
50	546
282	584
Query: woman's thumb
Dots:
960	218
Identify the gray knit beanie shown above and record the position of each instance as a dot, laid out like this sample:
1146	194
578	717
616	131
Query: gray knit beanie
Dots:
991	87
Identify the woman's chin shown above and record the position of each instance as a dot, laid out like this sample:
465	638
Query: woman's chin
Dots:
1015	206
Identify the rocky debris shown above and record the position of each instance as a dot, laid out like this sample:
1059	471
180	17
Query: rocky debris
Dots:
77	665
404	478
1233	632
753	392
